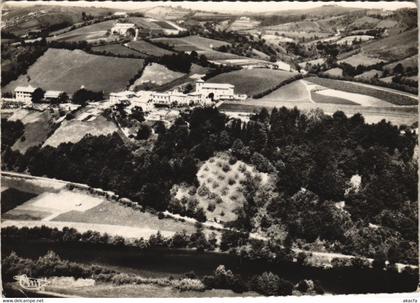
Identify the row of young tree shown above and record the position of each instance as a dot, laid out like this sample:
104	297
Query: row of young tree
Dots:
311	157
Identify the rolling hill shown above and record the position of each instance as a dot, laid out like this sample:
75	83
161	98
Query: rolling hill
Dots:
60	69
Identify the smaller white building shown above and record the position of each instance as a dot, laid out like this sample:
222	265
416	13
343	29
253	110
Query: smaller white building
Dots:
51	95
122	28
121	14
24	93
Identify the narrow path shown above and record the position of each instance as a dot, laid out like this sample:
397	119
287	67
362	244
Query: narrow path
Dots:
308	91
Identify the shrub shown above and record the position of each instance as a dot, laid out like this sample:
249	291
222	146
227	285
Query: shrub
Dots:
232	160
189	284
242	168
211	207
215	185
203	191
219	200
226	168
161	216
192	191
231	181
220	177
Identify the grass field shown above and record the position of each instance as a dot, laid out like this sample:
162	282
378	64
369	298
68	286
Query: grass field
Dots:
370	74
219	56
61	69
112	213
349	39
295	91
48	205
338	72
148	49
191	43
361	59
11	198
380	93
74	130
254	81
37	128
84	211
407	62
157	74
89	32
117	49
319	98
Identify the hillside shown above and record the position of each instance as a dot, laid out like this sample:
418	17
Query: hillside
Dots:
166	12
21	19
252	82
394	47
86	33
60	69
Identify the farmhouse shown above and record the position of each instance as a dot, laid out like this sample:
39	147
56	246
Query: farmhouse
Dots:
123	28
24	93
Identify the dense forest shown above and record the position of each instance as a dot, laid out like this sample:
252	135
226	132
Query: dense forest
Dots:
313	159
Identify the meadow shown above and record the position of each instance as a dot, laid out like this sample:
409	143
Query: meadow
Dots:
191	43
72	131
38	126
319	98
295	91
253	81
61	69
361	59
117	50
89	32
148	49
157	74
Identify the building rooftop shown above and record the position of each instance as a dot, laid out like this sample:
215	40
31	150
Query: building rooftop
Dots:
25	89
52	94
217	85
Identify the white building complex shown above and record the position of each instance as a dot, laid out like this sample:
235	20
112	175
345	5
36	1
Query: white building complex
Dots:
204	94
24	93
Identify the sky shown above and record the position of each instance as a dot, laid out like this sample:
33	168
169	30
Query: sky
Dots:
227	6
